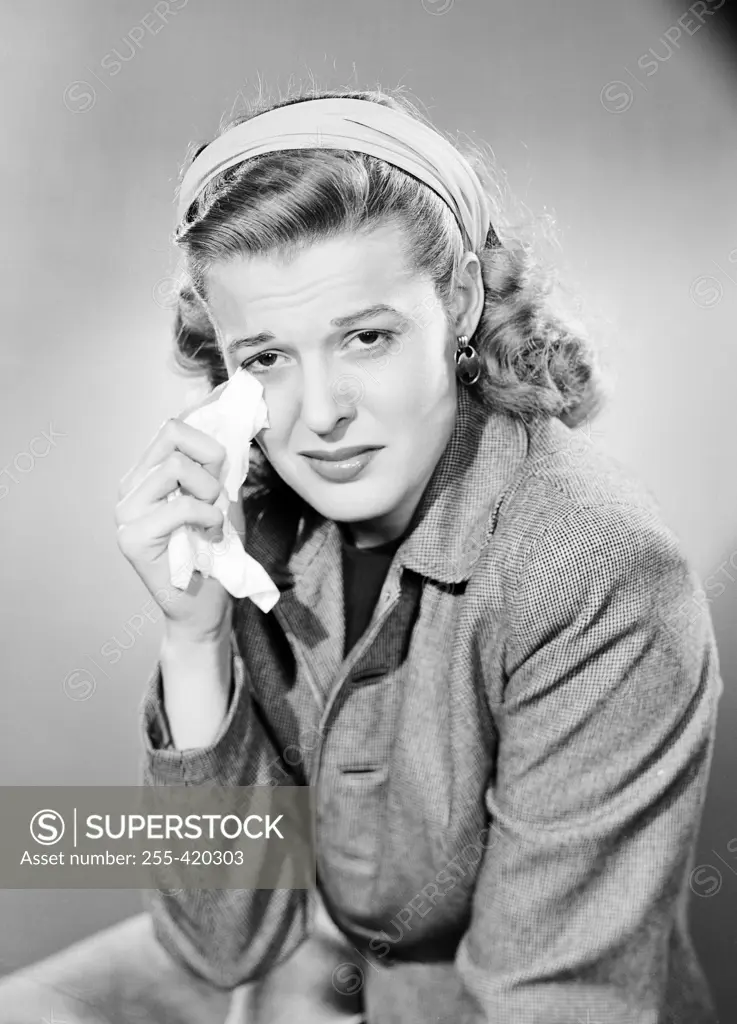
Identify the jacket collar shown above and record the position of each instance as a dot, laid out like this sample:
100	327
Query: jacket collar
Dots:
452	520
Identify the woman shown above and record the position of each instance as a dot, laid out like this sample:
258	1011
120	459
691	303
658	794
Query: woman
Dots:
487	656
484	656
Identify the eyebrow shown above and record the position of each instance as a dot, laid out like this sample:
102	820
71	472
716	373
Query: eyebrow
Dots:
340	321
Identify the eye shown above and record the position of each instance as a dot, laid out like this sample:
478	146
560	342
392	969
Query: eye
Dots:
380	334
253	366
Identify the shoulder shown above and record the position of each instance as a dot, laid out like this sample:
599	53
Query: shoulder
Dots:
569	487
564	472
576	524
583	583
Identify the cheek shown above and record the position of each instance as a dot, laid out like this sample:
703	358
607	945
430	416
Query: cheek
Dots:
420	386
274	439
278	413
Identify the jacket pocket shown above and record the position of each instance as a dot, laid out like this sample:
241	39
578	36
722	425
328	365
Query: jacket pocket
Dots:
349	828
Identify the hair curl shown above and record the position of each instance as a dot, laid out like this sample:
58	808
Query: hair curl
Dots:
534	362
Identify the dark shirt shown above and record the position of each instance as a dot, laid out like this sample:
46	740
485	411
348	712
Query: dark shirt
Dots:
364	572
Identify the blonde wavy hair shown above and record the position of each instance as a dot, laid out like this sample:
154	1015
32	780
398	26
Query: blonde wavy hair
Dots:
534	361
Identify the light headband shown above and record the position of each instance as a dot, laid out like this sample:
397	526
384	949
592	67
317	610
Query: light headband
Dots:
359	125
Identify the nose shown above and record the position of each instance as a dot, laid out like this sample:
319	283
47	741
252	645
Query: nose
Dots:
328	397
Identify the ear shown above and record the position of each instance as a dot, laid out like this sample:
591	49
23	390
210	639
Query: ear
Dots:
469	295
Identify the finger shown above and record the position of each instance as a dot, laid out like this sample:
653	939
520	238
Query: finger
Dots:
149	535
175	435
177	470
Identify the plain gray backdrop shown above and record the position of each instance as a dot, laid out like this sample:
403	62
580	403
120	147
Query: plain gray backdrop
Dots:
604	115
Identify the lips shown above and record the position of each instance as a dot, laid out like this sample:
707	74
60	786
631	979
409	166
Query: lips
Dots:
342	470
341	454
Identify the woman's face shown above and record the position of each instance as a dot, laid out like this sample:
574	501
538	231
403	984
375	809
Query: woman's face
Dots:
338	373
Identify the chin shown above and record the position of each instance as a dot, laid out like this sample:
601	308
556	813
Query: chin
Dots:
349	503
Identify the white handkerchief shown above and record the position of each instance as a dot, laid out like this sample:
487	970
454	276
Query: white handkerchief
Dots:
233	419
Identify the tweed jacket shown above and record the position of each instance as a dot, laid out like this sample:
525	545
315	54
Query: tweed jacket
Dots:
509	766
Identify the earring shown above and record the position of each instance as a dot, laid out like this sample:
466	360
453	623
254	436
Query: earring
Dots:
468	366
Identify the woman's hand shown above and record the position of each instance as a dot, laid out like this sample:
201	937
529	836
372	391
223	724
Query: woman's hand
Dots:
178	456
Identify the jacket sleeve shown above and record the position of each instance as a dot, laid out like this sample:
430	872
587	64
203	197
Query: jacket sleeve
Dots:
605	733
226	936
